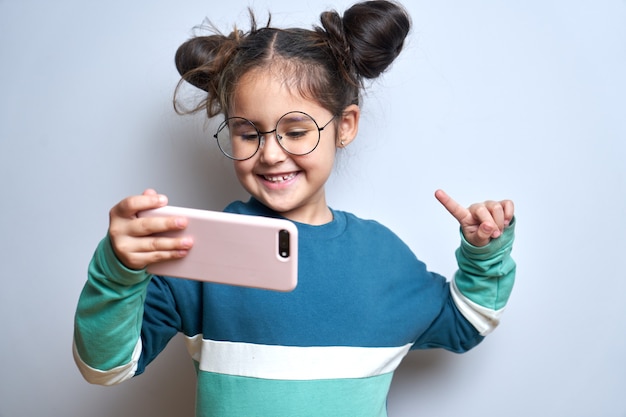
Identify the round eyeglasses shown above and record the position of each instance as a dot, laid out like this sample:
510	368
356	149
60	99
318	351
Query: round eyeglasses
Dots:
296	132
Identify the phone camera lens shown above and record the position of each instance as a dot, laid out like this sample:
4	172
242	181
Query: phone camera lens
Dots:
283	243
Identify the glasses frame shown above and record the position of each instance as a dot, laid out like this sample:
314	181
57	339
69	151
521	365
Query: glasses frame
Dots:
261	140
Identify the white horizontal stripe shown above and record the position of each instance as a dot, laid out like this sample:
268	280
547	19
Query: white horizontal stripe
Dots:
484	319
293	363
112	376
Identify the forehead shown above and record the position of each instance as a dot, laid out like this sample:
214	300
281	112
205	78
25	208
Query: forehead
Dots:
265	94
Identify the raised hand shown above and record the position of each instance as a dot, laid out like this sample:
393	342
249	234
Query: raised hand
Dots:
132	237
479	222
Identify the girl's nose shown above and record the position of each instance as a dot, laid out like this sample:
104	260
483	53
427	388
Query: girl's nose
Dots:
271	151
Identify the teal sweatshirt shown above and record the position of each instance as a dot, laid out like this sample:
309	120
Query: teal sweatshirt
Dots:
328	348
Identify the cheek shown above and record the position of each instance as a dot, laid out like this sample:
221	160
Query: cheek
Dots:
242	169
328	155
320	163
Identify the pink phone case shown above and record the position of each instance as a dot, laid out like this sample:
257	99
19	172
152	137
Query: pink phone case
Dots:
235	249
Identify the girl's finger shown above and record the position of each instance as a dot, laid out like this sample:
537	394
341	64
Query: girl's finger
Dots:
164	244
488	226
128	207
509	211
140	260
458	211
497	213
145	226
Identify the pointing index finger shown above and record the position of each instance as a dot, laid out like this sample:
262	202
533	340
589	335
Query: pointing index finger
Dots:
458	211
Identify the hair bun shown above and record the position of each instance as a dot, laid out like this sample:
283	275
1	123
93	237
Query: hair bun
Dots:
199	60
375	31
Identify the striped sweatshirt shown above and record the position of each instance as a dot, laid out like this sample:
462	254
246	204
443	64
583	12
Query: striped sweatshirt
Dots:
328	348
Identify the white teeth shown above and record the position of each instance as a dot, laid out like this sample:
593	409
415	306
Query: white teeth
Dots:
280	178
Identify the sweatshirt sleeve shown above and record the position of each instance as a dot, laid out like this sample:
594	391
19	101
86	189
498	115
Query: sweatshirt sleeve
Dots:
482	285
107	326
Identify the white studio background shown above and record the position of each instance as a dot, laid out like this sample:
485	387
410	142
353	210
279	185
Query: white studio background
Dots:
490	100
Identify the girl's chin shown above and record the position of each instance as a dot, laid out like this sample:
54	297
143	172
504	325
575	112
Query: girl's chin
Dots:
279	205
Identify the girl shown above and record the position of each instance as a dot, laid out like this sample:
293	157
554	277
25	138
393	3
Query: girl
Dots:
290	99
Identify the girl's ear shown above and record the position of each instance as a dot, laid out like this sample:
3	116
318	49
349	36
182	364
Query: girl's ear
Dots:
348	125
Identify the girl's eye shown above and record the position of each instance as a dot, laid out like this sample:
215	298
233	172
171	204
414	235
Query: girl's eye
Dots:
252	136
244	134
295	134
242	130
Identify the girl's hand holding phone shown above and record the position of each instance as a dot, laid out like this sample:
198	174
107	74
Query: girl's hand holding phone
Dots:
132	237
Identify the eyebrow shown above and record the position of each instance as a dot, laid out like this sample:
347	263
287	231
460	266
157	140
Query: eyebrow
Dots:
295	117
240	121
291	116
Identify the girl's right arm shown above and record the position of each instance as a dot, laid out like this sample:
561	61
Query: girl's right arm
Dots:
107	335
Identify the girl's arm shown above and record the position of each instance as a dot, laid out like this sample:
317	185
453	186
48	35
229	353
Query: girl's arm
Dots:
483	283
107	326
108	321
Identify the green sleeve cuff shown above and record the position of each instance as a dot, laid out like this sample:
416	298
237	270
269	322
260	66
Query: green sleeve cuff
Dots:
110	310
486	274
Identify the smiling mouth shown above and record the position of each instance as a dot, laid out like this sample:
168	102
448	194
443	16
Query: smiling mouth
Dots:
279	178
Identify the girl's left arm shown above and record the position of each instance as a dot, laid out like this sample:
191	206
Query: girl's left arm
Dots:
482	285
484	280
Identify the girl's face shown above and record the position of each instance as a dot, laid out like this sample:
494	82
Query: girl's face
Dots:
290	185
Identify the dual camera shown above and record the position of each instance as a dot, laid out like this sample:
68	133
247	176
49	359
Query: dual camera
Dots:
283	243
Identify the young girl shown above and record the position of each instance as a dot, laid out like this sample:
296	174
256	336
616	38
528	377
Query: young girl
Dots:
290	99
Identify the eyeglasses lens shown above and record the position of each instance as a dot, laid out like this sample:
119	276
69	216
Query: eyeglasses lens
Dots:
296	132
238	138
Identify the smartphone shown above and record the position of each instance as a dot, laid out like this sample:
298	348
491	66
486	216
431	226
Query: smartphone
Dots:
234	249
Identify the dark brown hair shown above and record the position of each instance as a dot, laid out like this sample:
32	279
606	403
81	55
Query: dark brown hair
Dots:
326	64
